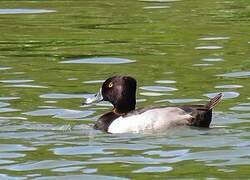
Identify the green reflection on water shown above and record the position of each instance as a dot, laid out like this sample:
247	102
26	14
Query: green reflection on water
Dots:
165	44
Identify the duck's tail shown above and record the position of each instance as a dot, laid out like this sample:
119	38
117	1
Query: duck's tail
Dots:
202	114
214	101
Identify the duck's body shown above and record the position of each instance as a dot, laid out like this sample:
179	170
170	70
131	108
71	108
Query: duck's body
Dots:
120	91
152	120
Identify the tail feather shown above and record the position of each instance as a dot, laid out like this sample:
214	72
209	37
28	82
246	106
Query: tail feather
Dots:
214	101
202	114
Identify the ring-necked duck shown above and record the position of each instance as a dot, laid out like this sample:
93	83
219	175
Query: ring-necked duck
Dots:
121	92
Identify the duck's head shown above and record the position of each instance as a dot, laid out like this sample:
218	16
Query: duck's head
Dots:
118	90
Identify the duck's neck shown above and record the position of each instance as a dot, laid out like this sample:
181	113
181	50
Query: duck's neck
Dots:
125	106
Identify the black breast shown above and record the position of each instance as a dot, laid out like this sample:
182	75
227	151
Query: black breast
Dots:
105	120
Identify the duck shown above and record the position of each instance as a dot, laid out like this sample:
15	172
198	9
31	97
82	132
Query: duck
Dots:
120	91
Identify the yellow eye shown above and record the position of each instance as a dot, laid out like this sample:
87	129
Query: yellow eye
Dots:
110	85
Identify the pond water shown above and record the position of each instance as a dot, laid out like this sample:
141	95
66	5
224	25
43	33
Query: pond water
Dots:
54	54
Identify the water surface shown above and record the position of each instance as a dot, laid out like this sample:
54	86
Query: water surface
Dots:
55	54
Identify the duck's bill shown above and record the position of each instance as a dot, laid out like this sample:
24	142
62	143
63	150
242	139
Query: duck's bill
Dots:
97	98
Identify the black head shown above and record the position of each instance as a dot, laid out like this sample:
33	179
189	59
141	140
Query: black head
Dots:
121	92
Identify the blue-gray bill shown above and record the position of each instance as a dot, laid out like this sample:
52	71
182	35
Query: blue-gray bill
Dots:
95	99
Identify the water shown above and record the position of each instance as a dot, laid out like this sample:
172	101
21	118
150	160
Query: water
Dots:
54	54
103	60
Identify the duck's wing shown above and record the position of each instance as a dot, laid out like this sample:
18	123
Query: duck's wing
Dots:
150	120
202	114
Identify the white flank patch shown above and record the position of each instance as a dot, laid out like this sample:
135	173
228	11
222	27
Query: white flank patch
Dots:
153	120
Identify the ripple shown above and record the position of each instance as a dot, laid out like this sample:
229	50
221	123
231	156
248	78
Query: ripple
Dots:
226	170
29	135
99	60
3	110
25	11
173	153
60	113
15	73
93	82
34	175
15	147
6	177
9	98
13	81
212	59
68	169
64	96
165	81
5	68
213	38
140	100
245	104
72	79
104	104
169	72
25	86
240	74
3	104
134	147
208	47
77	150
50	102
214	141
78	177
158	88
89	170
151	94
241	107
228	86
226	95
47	107
156	7
102	149
11	155
202	65
159	1
220	157
45	164
177	101
5	162
12	118
133	159
236	161
73	114
154	169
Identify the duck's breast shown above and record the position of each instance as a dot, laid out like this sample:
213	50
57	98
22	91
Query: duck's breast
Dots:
157	119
